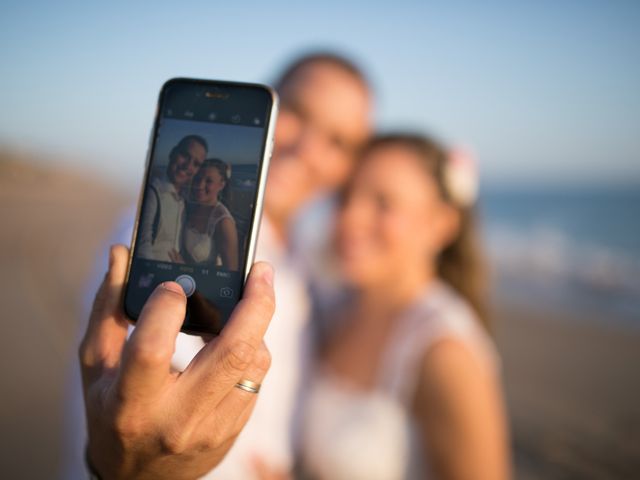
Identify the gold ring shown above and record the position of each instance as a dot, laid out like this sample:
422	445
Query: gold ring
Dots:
248	386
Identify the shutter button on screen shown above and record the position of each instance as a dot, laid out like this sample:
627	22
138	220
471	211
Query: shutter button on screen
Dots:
187	283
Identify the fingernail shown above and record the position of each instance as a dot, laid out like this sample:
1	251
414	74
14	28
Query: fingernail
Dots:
172	287
268	274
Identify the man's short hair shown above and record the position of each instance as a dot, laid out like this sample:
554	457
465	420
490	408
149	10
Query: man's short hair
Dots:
188	140
326	57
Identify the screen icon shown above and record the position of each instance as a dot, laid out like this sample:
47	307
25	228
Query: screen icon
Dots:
256	121
212	116
145	280
236	118
226	292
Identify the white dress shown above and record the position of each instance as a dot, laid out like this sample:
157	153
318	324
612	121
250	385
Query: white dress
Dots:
200	246
349	433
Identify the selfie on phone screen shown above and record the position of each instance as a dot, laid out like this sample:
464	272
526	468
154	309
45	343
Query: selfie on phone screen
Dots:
198	209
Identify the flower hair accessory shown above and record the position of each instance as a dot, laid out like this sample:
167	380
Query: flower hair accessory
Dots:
461	177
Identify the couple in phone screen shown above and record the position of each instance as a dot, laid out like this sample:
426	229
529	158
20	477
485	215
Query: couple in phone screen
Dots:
184	218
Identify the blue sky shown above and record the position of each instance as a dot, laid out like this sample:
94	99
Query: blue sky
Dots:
545	92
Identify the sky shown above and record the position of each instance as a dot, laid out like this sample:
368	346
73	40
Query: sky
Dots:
544	92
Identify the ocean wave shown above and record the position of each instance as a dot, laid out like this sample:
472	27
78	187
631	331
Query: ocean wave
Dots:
548	254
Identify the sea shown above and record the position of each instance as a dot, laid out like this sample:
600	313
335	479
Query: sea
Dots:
576	248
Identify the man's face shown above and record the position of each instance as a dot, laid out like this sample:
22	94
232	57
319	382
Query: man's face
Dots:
185	163
324	118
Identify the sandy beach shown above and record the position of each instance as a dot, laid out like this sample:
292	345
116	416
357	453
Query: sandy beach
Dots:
573	391
572	381
53	223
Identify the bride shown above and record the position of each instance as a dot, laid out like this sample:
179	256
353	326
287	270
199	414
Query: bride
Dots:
209	235
407	380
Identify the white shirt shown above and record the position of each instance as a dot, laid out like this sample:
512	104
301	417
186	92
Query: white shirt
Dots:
166	204
269	432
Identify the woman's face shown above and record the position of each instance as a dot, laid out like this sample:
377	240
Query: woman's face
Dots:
392	220
206	186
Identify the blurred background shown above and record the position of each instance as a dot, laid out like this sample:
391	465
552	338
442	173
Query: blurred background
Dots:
544	93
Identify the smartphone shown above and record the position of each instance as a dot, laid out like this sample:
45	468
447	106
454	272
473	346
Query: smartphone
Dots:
201	202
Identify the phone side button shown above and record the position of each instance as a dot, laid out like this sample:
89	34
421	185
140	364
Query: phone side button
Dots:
187	283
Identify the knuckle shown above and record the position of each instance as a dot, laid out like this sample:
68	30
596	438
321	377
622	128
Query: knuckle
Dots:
262	359
237	357
127	427
100	298
216	438
148	355
210	441
174	442
87	357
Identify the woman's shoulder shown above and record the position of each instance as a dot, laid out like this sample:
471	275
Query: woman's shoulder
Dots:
219	213
446	318
222	209
441	307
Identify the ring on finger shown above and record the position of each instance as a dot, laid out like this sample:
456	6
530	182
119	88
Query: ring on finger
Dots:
248	386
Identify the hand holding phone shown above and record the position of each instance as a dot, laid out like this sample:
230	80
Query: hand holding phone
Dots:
201	202
143	420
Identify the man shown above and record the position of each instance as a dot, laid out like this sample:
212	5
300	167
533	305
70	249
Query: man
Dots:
161	221
325	117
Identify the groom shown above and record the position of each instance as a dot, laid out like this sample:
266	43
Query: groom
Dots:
161	220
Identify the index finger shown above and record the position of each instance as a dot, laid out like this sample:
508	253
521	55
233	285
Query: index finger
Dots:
106	332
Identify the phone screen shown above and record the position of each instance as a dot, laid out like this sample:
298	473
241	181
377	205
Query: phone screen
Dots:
201	204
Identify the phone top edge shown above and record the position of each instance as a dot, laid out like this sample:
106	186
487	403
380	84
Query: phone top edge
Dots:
232	83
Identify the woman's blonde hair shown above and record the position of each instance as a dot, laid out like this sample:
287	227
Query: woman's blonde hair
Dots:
461	264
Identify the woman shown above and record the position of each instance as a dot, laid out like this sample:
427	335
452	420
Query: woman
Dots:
209	235
407	382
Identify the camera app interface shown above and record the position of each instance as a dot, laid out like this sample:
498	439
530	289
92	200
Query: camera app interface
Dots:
199	199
